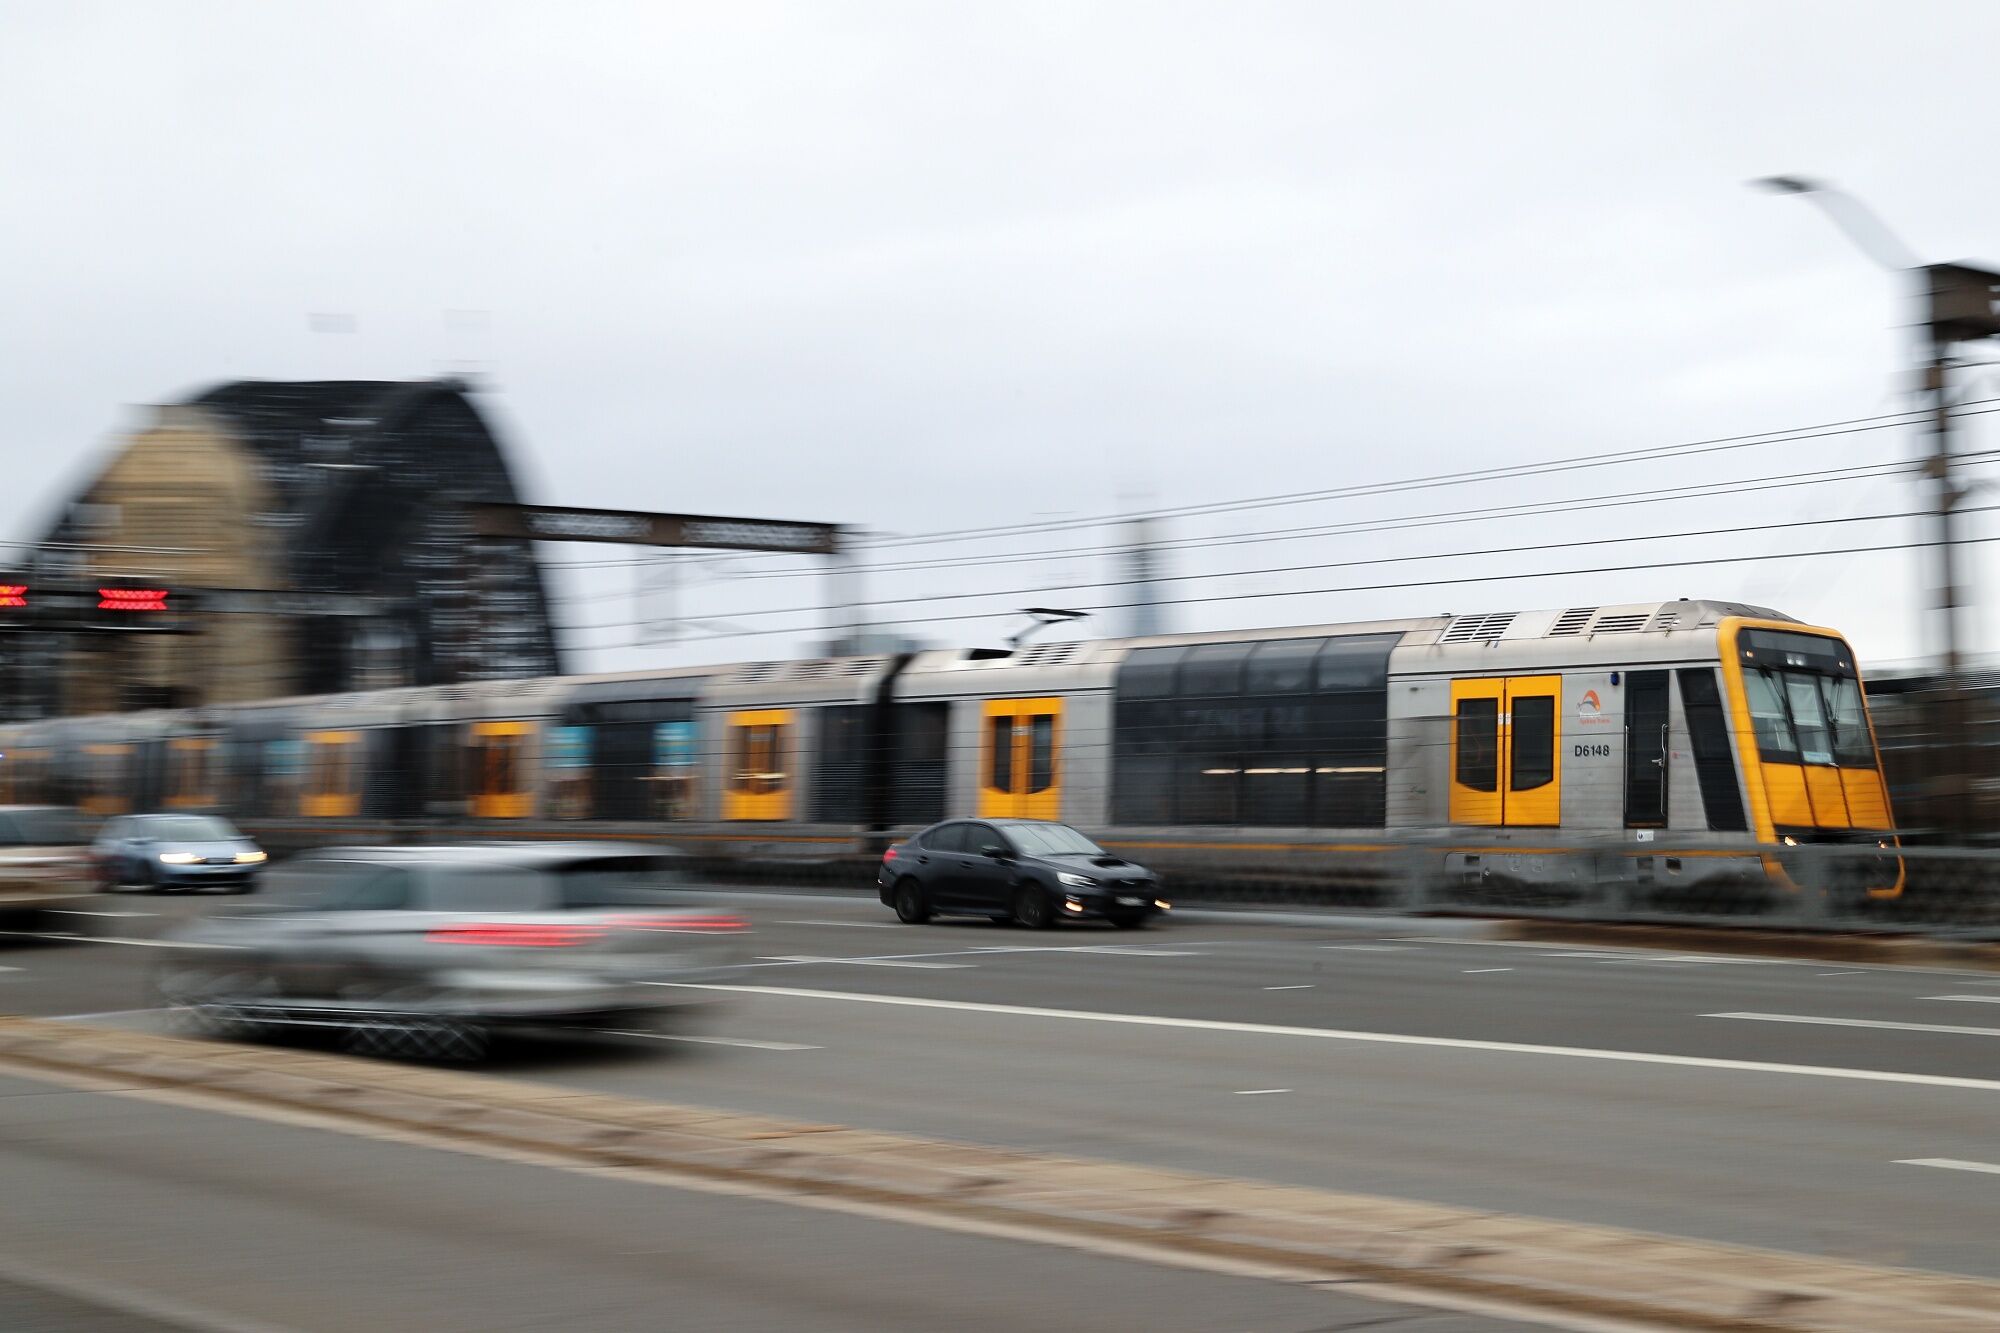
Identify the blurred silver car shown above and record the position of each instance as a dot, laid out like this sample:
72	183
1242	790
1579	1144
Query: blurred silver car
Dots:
170	852
427	950
43	859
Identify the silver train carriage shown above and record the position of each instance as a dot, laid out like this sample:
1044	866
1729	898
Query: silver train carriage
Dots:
1682	740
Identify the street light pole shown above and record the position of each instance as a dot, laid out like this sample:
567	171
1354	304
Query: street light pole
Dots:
1958	305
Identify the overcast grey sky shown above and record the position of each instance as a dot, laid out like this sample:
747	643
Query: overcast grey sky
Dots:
926	266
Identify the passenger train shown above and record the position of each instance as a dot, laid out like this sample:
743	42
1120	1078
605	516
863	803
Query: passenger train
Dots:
1678	741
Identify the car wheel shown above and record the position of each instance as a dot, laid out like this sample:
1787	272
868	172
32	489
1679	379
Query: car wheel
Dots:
1031	907
912	908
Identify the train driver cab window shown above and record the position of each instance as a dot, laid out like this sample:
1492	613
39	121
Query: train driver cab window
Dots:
759	782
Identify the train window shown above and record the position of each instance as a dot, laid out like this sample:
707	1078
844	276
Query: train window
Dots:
1149	673
1808	718
1000	752
1282	666
1478	725
566	756
1646	749
1708	737
1852	745
1355	662
284	766
1531	760
918	777
1211	669
1041	752
675	765
841	764
1768	718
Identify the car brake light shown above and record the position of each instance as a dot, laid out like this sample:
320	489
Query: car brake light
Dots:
694	923
518	934
889	855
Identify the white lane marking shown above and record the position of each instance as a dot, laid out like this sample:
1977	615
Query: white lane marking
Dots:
1951	1164
115	1013
118	939
1373	948
75	911
744	1042
844	925
1129	951
1304	987
1377	1038
1883	1023
1259	1092
1594	953
1470	970
9	969
802	959
1969	999
1840	974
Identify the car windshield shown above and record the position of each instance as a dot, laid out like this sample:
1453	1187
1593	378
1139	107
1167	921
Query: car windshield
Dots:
1051	840
187	828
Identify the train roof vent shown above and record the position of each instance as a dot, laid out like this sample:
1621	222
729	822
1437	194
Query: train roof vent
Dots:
1623	622
1478	629
811	670
1572	621
1675	615
854	666
753	672
1047	654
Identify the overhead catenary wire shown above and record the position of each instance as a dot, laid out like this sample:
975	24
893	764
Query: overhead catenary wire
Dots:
1652	453
1340	564
1452	581
1362	527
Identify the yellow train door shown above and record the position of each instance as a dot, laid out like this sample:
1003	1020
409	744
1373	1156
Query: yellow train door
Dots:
1506	735
333	775
1020	759
759	780
500	778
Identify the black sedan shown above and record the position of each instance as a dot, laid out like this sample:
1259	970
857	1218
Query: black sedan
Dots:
1032	871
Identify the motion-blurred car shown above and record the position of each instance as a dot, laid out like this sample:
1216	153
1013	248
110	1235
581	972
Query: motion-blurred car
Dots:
165	853
43	857
427	950
1034	871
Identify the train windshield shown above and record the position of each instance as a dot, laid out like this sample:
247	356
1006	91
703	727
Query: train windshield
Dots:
1805	699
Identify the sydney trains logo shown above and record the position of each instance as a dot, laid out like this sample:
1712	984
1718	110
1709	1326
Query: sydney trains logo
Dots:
1590	711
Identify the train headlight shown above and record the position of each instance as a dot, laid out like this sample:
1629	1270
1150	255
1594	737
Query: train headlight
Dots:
1790	841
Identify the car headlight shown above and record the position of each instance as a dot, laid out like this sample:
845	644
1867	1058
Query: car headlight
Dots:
179	859
1075	881
249	858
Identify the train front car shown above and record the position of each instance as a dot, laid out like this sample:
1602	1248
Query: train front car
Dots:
1806	745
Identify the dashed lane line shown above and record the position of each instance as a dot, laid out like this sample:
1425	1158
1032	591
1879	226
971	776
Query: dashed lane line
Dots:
1374	1038
801	959
745	1042
1949	1029
1951	1164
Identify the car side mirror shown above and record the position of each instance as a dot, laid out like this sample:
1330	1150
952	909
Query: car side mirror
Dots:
996	852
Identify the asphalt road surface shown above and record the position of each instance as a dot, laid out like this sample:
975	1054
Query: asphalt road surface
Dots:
146	1217
1664	1092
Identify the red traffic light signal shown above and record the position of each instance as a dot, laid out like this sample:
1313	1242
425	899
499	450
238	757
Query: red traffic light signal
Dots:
132	599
